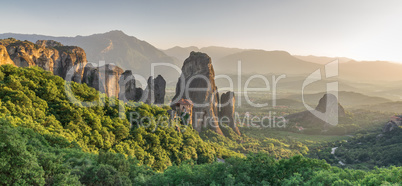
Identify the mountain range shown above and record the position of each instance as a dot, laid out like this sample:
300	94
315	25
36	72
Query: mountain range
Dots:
323	59
274	62
215	52
134	54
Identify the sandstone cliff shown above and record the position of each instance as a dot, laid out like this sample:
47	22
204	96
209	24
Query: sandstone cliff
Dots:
155	90
127	86
198	72
70	63
227	110
49	55
160	90
105	79
4	57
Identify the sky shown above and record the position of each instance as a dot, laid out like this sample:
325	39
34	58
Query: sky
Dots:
359	29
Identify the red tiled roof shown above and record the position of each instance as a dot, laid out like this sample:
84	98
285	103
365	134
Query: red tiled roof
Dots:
185	102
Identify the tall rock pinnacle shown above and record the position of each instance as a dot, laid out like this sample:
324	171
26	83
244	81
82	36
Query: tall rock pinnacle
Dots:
228	110
197	83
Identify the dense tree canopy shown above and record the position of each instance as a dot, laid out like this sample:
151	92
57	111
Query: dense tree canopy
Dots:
47	139
33	98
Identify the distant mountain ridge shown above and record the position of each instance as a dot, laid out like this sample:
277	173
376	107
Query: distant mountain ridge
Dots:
322	59
215	52
265	62
133	54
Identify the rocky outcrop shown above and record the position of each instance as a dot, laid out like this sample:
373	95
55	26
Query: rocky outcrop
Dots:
104	79
160	90
198	72
148	92
26	54
227	110
49	55
155	90
4	57
71	58
390	126
328	101
138	94
70	63
393	124
127	86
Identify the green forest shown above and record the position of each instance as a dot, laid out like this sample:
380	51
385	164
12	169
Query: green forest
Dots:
364	151
48	140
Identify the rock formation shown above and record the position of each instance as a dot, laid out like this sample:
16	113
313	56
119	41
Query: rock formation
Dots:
4	57
25	54
155	90
329	101
104	79
149	91
389	126
138	94
70	63
393	124
198	72
70	57
49	55
128	89
227	110
127	86
160	90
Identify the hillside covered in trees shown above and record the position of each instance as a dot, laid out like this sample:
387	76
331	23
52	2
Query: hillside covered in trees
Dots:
33	98
47	139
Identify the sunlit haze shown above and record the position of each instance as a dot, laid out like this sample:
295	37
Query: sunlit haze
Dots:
362	30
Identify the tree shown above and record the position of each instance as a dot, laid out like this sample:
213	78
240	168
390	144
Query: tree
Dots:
17	164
